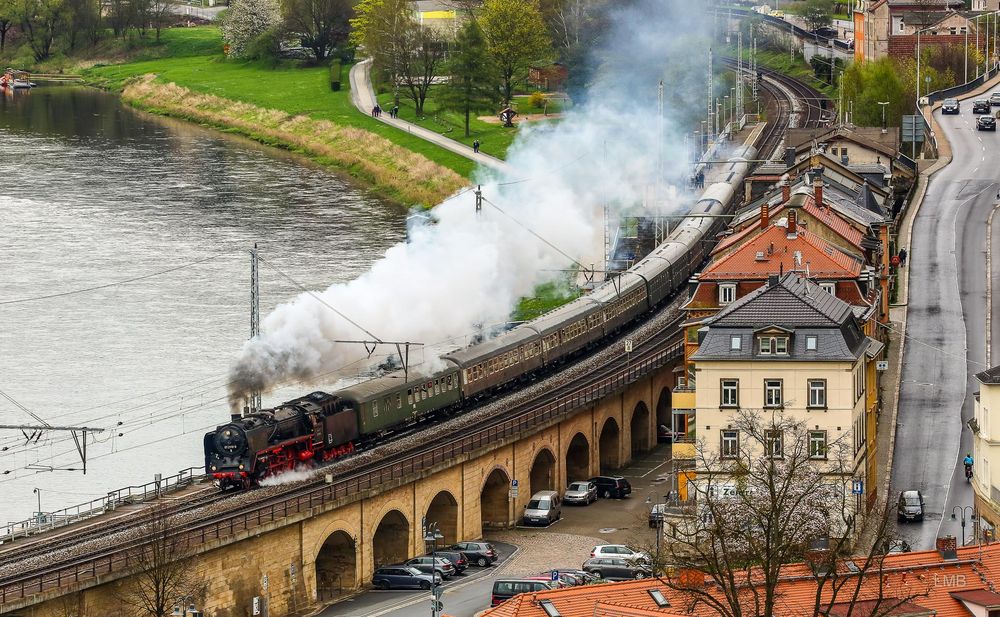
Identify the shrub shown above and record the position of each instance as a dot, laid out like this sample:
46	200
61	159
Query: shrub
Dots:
335	75
264	47
537	100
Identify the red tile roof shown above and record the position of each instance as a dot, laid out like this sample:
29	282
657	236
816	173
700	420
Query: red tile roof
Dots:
827	216
824	259
910	584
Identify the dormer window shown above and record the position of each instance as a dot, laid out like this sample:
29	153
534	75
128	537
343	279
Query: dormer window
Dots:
735	342
812	343
727	293
773	345
829	287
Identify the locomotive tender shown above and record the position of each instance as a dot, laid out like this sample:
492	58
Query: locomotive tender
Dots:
321	426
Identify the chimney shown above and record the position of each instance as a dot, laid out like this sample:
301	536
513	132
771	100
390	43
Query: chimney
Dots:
947	547
772	280
792	228
786	189
765	215
818	190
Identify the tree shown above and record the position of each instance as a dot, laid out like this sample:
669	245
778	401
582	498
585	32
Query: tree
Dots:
321	25
382	28
245	21
419	63
162	578
818	13
40	21
576	27
515	37
160	12
865	84
780	499
8	16
472	84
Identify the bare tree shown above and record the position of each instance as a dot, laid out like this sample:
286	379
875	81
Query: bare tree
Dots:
162	576
781	497
421	65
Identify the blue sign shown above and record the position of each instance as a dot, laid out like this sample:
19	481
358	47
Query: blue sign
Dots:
555	576
858	487
513	483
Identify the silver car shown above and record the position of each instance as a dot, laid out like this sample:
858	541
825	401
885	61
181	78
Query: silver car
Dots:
583	493
995	99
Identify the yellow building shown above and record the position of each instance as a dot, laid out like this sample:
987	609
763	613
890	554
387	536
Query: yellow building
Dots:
789	345
986	450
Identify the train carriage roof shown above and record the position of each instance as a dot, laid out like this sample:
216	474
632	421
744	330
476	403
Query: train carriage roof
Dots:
628	281
560	317
498	344
391	382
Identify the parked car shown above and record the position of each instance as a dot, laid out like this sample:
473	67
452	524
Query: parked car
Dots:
457	559
910	506
403	577
480	553
543	508
656	515
585	578
995	98
506	588
617	568
986	123
584	493
562	582
980	106
618	550
428	564
950	106
612	486
826	31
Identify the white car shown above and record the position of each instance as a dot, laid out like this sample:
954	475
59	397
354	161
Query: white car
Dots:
619	551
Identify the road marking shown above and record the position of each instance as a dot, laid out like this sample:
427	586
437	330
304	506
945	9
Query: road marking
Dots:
654	469
975	170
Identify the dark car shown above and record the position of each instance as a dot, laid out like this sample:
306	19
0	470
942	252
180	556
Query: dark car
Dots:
457	559
612	486
986	123
506	588
980	106
910	506
480	553
402	577
617	568
950	106
428	564
826	32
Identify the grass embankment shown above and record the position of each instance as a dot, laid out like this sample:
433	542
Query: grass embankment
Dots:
493	137
192	58
404	175
793	67
547	297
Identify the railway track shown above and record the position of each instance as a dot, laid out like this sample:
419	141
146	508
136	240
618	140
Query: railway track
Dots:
557	402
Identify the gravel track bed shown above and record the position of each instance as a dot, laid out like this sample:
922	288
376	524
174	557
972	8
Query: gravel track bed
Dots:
384	452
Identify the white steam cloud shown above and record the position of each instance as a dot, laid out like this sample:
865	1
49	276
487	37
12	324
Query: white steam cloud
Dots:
465	270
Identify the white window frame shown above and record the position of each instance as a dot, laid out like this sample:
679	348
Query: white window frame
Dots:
774	443
817	393
729	443
732	388
727	293
735	342
812	342
781	345
763	351
817	444
771	386
829	287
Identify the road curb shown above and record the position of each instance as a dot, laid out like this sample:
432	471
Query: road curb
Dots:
989	281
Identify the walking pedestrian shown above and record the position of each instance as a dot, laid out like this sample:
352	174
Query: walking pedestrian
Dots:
378	111
395	111
475	146
375	112
902	257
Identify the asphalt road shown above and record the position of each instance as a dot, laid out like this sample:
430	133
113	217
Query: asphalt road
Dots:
946	329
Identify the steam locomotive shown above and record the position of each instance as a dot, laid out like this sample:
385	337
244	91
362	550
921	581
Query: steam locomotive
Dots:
321	426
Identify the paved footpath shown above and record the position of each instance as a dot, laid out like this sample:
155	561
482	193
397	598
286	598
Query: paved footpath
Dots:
363	97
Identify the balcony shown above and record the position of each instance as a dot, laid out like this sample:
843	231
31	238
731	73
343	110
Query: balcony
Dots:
682	397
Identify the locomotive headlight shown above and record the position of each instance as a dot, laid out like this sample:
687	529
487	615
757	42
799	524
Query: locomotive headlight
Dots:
241	465
214	468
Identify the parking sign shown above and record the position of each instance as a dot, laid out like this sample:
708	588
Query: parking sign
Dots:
555	576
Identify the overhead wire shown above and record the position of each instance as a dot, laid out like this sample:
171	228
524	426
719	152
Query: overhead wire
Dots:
532	232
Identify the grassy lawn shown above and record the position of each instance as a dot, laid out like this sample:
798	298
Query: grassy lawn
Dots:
547	297
797	68
494	139
192	57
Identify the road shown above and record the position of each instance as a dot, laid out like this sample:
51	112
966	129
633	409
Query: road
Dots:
946	328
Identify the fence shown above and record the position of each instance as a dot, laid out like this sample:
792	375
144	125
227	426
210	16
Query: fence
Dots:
46	521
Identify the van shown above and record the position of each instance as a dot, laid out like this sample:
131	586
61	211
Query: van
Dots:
505	589
543	509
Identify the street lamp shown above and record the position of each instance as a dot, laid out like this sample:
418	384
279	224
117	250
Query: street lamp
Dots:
38	515
972	517
882	104
432	535
728	111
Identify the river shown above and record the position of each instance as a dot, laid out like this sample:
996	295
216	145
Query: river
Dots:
95	193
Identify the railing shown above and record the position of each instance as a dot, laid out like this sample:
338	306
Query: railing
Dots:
46	521
120	559
939	95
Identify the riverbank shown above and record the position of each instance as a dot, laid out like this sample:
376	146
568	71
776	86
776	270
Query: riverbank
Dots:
400	174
